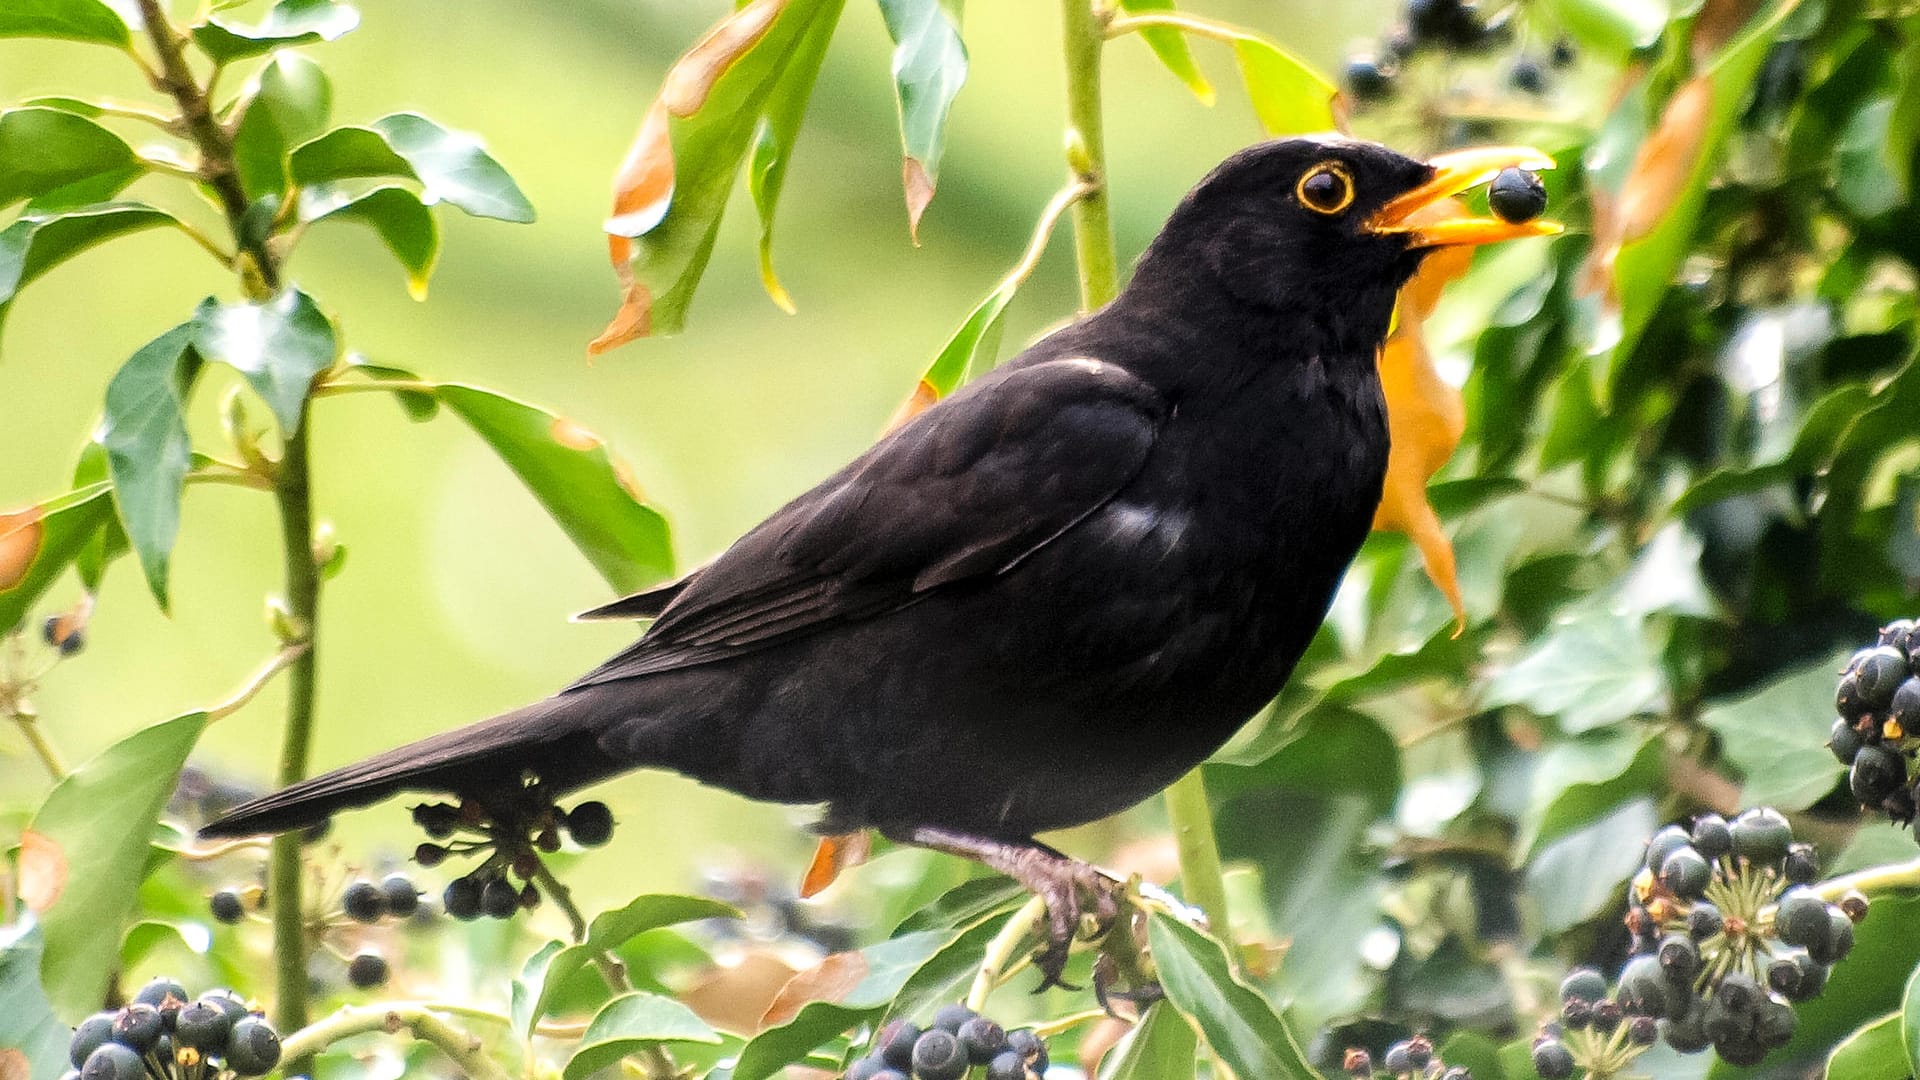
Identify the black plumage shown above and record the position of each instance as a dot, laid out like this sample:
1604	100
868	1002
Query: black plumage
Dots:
1048	596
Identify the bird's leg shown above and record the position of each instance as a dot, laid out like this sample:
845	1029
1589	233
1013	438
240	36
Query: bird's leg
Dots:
1067	885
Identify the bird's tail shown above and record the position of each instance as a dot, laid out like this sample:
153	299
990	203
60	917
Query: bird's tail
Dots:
551	738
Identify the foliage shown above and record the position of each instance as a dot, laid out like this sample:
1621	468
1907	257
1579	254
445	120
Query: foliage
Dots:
1656	478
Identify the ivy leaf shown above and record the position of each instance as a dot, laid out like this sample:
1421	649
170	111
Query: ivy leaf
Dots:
929	67
74	20
1160	1047
589	492
1776	736
148	452
847	989
1576	875
1241	1028
1593	669
1874	1052
1288	95
1170	45
38	542
542	979
110	541
291	22
451	166
284	106
630	1023
1577	780
84	854
36	243
279	346
44	149
28	1027
773	141
672	188
397	215
1613	27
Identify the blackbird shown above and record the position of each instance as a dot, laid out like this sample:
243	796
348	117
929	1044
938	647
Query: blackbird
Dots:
1048	596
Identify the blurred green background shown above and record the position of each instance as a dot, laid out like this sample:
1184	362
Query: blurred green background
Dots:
455	598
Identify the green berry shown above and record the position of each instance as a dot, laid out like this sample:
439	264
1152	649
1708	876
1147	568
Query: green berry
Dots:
1761	836
401	895
203	1026
113	1062
227	906
462	899
1517	195
93	1033
367	970
254	1048
1552	1060
938	1055
590	824
1686	873
364	902
983	1039
1583	983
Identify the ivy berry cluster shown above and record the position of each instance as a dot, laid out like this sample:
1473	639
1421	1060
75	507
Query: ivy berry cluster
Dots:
362	902
1408	1059
1878	727
1454	27
959	1041
512	847
164	1035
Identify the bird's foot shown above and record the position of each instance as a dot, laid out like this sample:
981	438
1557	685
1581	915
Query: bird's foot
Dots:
1075	893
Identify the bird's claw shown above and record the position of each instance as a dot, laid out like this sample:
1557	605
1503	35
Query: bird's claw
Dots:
1073	891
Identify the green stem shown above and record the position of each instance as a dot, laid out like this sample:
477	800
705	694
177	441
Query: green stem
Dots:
463	1048
292	490
1897	877
1084	35
1006	947
1202	881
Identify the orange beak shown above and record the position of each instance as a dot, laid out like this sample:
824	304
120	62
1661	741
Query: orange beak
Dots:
1454	173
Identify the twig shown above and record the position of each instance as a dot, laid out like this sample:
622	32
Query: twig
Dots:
417	1020
29	725
1011	943
274	665
655	1062
1099	262
1897	877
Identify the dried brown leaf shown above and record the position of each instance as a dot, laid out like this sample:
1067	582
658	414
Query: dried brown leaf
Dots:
831	979
919	188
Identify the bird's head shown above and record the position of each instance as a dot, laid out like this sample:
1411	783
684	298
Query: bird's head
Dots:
1328	226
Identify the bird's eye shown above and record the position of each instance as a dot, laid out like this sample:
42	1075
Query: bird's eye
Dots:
1326	188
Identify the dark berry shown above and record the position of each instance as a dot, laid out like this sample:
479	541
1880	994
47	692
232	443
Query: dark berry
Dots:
1686	1035
1563	56
1877	772
1031	1048
949	1018
1008	1066
590	824
1607	1015
1517	195
429	855
1643	1030
1783	977
203	1026
93	1033
1664	843
1397	1062
1552	1060
438	820
138	1026
1742	1051
462	899
1398	46
1761	836
1680	957
1801	866
1704	921
164	994
1644	990
1801	917
364	902
1576	1013
62	635
254	1047
1584	983
865	1069
1837	942
1419	1052
1844	741
1847	700
983	1039
1368	79
1773	1023
367	970
499	899
1711	837
1855	905
1686	873
401	896
938	1055
1526	76
113	1062
1905	708
227	906
1895	633
1431	18
1881	671
896	1044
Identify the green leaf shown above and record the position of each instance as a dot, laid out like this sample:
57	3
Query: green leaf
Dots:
74	20
1595	669
673	189
630	1023
148	452
285	105
42	150
1170	46
1910	1021
1289	97
946	974
280	346
291	22
609	930
929	67
38	542
589	493
1578	874
965	904
418	404
110	542
27	1023
1777	736
451	166
86	851
36	243
1240	1027
1577	780
885	968
773	140
1160	1047
1872	1053
1613	27
402	221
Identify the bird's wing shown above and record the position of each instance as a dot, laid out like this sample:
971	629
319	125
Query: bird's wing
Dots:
645	604
966	490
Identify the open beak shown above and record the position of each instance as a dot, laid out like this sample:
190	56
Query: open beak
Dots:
1423	214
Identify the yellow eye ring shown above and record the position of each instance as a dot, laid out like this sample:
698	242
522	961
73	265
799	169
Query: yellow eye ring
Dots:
1327	188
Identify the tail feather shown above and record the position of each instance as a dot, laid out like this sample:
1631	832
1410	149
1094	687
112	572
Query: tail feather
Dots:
553	737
